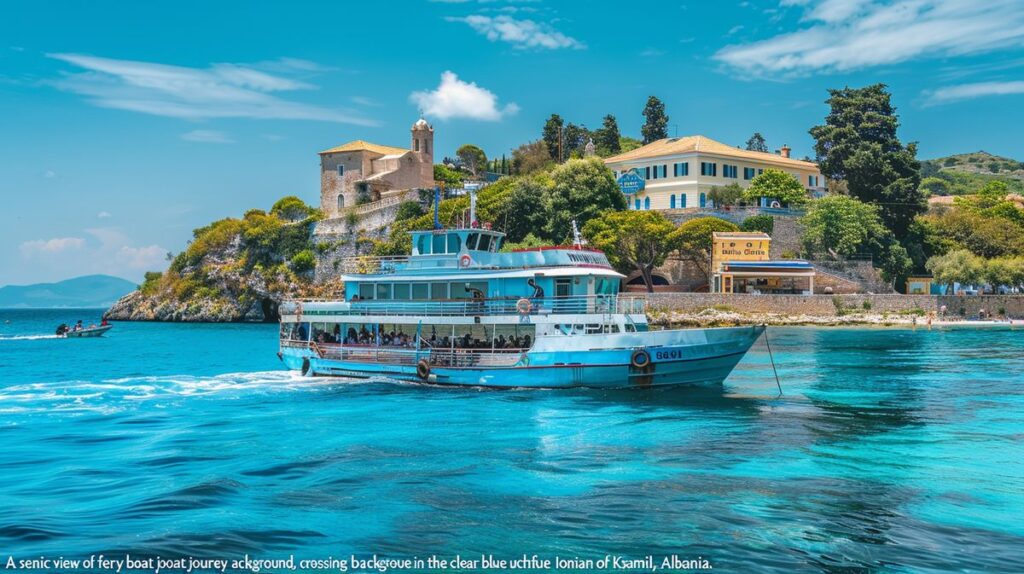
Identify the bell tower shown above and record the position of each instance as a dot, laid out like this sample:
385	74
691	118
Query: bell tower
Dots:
423	146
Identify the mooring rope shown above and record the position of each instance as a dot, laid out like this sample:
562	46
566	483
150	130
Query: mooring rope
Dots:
772	359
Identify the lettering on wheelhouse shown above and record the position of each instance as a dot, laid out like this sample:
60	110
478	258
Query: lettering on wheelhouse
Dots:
587	258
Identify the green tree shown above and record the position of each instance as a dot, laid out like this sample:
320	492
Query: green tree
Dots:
580	190
473	158
446	176
840	225
627	143
776	184
633	240
757	143
529	241
694	240
574	140
530	157
764	223
858	143
655	121
514	205
726	195
960	266
408	210
552	137
607	138
934	186
291	208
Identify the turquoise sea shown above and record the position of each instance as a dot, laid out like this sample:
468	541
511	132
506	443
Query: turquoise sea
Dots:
892	450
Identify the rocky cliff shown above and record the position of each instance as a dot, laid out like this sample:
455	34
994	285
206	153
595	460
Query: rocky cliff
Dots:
234	270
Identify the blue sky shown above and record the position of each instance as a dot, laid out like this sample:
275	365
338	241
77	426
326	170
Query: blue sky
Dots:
123	126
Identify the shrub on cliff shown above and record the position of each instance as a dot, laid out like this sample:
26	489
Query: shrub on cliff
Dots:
303	261
276	244
763	223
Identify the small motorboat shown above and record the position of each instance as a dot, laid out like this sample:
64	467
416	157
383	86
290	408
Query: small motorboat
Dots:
66	332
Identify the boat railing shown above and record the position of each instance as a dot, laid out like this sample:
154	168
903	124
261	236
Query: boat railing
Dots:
371	265
571	305
383	354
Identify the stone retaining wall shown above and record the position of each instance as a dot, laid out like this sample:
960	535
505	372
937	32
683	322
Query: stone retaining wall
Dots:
835	305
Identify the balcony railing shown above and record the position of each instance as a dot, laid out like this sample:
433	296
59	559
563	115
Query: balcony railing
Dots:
371	265
448	357
572	305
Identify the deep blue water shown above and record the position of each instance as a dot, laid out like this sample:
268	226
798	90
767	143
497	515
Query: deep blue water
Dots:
892	450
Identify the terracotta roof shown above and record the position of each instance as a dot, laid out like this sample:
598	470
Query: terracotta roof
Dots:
691	144
360	145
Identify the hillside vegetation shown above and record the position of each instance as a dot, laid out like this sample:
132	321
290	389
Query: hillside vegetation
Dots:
968	173
233	269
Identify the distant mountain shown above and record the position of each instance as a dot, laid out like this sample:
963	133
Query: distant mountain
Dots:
968	172
87	291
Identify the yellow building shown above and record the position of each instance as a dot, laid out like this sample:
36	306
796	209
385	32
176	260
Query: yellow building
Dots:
740	264
677	173
919	285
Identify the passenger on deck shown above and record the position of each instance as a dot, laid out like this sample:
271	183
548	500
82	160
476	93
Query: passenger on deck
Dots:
538	291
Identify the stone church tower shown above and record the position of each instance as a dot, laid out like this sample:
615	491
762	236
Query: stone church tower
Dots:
423	147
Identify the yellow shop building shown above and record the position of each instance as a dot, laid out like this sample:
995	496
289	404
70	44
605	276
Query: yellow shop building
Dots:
740	264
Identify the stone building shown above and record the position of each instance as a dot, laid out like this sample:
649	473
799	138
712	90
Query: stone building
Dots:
360	172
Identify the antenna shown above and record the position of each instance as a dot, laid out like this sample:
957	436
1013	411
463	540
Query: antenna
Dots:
437	207
472	208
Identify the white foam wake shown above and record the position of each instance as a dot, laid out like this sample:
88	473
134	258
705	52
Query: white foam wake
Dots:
114	395
25	337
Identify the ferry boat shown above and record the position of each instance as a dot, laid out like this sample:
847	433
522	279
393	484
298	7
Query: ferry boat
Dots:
459	311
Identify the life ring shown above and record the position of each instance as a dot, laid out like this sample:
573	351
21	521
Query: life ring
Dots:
423	369
524	306
465	260
305	366
640	359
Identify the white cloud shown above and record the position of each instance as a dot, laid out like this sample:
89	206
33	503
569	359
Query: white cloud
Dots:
219	91
142	258
207	136
454	98
960	92
49	174
652	52
38	247
844	35
103	215
521	34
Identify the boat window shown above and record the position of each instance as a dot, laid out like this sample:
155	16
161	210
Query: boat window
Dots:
366	291
471	240
401	290
485	242
454	243
383	290
630	328
593	328
465	290
421	291
612	328
496	244
422	245
438	290
438	244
